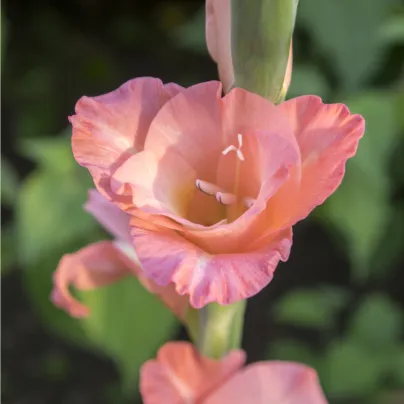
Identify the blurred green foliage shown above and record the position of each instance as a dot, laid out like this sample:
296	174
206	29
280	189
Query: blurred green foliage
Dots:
344	51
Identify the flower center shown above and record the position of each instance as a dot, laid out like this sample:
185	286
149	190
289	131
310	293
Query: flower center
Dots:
236	203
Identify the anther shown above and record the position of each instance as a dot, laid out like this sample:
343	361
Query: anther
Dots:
226	198
248	201
207	187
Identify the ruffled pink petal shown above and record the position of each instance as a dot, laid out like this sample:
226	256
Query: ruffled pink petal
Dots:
223	278
109	128
218	39
327	134
270	383
93	266
113	219
180	375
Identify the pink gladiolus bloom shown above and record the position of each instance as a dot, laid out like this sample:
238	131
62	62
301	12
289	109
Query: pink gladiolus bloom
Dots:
180	375
213	184
105	262
218	40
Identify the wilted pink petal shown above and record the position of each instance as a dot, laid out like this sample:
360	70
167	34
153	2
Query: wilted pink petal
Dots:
91	267
270	383
180	375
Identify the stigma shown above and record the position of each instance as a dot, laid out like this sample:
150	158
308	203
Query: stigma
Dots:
238	151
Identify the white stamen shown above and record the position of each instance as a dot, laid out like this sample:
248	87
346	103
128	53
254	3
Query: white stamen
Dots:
236	149
248	201
207	187
226	198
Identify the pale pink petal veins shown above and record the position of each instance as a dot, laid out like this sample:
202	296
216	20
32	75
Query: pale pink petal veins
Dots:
180	375
113	219
246	111
223	278
270	383
93	266
189	126
161	186
328	135
109	128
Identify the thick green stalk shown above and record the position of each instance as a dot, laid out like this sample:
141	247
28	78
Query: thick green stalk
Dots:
261	36
217	329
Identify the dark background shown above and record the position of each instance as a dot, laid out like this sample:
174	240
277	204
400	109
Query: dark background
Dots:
337	304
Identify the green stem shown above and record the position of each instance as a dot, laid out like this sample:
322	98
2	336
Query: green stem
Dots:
217	329
261	35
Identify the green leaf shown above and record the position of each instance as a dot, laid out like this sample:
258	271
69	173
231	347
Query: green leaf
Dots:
294	351
350	370
347	32
311	308
127	323
392	31
191	35
377	323
360	208
9	183
50	204
308	80
50	213
53	154
51	222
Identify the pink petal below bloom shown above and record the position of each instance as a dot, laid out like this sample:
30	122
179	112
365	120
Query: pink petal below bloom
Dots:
89	268
180	375
100	264
270	383
222	278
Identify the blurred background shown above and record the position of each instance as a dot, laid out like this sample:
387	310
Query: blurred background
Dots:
337	305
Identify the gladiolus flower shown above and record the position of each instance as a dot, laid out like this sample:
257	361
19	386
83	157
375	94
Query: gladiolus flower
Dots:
181	375
218	40
105	262
213	184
